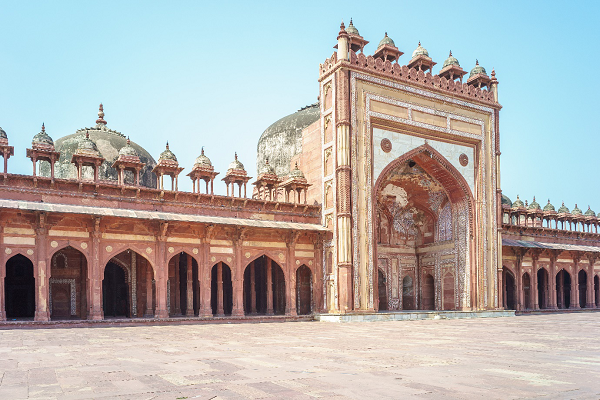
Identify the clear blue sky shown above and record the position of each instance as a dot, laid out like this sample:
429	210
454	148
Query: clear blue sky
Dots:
216	74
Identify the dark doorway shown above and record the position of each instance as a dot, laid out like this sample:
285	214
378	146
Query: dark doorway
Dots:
563	289
527	291
543	291
227	290
19	288
597	290
303	290
428	293
408	297
382	286
257	290
115	291
509	290
582	281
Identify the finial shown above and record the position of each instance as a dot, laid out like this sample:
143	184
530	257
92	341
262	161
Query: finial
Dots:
450	53
576	205
548	201
43	127
296	167
476	62
100	119
493	73
167	145
350	21
517	197
589	207
526	204
386	34
419	44
87	134
236	155
533	198
202	152
563	203
128	141
267	159
342	26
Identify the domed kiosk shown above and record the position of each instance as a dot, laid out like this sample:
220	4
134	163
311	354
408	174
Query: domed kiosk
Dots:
109	143
283	140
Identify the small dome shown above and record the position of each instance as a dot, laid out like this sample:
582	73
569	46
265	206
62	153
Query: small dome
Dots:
549	207
420	51
478	69
167	155
236	164
534	205
450	61
576	211
296	173
202	161
267	168
563	209
3	134
590	213
42	138
386	40
128	150
86	145
518	203
351	29
506	201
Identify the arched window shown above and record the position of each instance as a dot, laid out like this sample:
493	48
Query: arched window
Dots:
445	223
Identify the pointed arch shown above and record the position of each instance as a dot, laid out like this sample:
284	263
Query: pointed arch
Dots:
67	289
19	287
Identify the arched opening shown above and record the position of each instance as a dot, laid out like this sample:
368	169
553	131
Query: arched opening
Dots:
19	288
448	295
303	290
67	290
542	286
221	290
264	287
184	288
383	297
597	291
527	291
509	290
563	289
428	299
421	199
582	281
128	287
408	293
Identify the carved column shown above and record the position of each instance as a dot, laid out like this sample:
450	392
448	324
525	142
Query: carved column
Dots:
552	298
269	273
252	288
519	279
190	288
590	300
177	279
575	283
220	310
534	281
205	282
237	275
149	312
318	295
41	272
95	309
162	274
291	284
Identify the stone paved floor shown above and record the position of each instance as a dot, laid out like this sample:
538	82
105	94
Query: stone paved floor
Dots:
537	356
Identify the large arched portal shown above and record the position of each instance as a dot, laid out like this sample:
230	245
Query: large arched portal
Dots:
128	288
563	289
264	287
527	291
68	277
304	298
184	289
423	209
221	293
597	291
582	281
542	286
19	288
509	289
382	287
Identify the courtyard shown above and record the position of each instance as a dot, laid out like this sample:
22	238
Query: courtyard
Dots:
534	356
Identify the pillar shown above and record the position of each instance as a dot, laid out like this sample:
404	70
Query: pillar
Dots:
190	288
269	273
237	277
149	312
205	282
220	310
177	279
290	303
2	295
552	298
95	311
252	288
519	282
534	283
41	273
590	300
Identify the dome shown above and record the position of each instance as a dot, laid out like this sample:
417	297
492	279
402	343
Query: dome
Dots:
420	51
563	209
506	201
267	169
42	138
590	213
534	205
202	161
87	146
386	40
478	69
236	164
281	141
109	142
549	207
167	155
518	203
3	134
576	211
296	173
450	61
128	150
351	29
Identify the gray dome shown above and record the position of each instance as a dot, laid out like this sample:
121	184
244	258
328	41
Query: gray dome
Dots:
420	51
109	143
281	141
506	201
42	138
3	134
351	29
386	40
236	164
518	203
167	155
576	211
478	69
296	173
563	209
451	60
590	213
86	145
202	161
267	169
549	207
128	150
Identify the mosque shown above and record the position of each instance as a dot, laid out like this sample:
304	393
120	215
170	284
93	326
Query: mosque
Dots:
383	195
